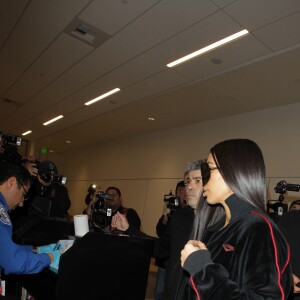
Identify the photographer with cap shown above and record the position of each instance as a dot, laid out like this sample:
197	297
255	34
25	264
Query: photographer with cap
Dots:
46	196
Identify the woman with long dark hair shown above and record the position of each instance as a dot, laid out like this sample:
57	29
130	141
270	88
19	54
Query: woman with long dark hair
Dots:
244	255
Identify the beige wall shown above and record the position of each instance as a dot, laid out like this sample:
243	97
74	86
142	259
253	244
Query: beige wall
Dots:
147	167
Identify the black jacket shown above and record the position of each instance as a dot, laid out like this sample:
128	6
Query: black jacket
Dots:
131	215
52	201
290	225
241	262
170	244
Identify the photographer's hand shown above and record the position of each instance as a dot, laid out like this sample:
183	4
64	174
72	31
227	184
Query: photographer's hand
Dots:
120	222
296	284
93	201
32	168
166	212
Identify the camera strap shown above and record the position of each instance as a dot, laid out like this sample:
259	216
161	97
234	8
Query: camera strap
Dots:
52	195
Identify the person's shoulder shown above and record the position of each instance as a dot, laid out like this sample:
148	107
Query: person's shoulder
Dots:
130	210
186	210
291	217
251	222
60	187
292	214
182	213
4	218
258	224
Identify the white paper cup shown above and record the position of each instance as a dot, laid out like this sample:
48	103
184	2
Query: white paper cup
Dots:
81	225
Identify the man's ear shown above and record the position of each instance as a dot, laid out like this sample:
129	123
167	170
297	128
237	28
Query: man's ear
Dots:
10	182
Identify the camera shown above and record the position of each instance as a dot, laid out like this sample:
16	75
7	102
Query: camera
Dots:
172	202
92	188
278	207
101	213
47	171
10	149
282	187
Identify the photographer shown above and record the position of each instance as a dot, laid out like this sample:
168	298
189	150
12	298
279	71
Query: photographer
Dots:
116	205
289	223
104	205
169	209
9	149
48	197
295	205
89	198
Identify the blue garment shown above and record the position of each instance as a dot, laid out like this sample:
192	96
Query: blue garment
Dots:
14	258
160	284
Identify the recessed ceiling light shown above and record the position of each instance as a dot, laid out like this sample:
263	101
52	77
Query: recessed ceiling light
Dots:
216	61
53	120
208	48
151	119
102	96
27	132
69	142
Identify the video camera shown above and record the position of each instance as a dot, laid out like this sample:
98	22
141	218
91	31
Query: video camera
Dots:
172	202
101	213
9	147
281	188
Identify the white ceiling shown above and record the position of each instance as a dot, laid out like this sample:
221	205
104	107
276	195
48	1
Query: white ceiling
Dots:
45	70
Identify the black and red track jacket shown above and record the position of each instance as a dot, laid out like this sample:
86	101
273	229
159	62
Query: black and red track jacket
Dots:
247	259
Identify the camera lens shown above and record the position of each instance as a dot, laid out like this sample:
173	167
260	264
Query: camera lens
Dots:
45	176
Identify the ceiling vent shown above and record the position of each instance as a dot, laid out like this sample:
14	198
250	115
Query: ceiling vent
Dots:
87	33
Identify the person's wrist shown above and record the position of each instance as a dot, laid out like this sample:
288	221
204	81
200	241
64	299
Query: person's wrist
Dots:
51	257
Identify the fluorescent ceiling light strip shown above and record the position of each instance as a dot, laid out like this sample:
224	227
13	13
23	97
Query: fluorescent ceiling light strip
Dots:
27	132
208	48
53	120
102	96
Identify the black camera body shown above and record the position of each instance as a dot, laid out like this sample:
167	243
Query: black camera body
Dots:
10	145
49	174
281	188
172	202
101	213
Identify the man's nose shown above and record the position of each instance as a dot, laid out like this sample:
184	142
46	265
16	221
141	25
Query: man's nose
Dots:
190	186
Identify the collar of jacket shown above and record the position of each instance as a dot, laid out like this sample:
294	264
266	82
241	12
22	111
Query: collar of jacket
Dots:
238	207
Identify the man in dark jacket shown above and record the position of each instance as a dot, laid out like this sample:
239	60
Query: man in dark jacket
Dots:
177	202
116	205
48	197
177	233
289	223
